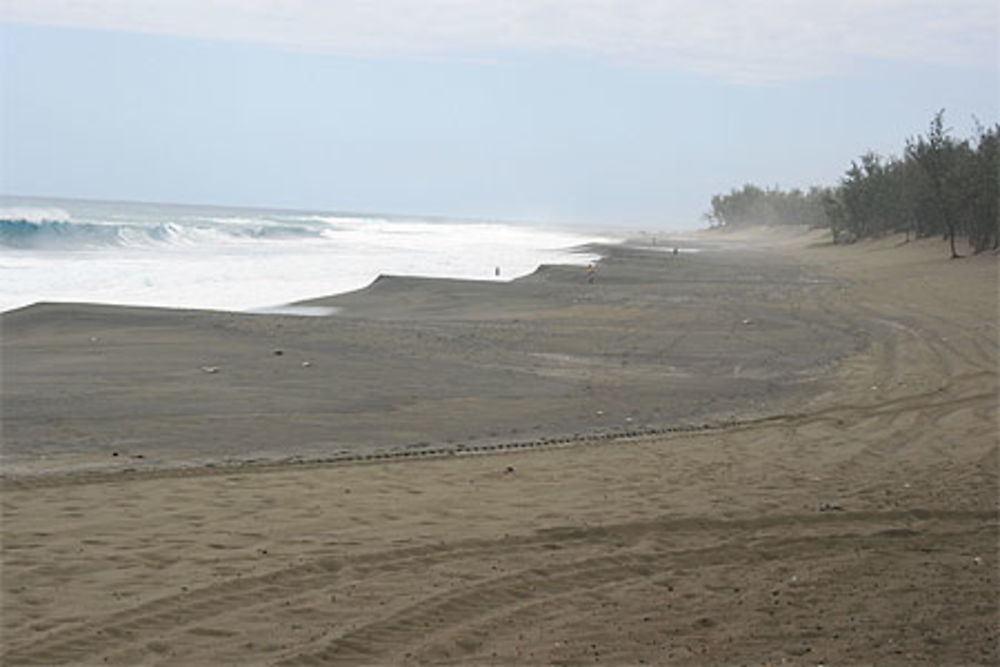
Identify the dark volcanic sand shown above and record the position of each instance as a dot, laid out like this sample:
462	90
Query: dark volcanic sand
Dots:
657	341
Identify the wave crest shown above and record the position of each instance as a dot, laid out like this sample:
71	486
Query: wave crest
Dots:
55	234
50	231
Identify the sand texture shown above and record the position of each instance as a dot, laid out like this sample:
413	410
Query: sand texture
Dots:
767	452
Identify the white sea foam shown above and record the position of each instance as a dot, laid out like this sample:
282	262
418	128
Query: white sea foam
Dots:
204	259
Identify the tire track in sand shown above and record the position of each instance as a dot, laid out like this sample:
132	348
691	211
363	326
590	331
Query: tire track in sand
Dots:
131	629
482	603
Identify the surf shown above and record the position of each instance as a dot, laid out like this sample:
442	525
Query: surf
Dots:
248	259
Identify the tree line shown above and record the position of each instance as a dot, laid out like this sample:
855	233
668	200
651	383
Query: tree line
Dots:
941	186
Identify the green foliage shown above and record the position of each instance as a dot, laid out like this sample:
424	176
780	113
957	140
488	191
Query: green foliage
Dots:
754	206
941	186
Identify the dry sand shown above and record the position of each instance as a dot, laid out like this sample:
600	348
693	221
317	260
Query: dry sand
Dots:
545	497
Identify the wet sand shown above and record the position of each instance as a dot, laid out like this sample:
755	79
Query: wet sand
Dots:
765	451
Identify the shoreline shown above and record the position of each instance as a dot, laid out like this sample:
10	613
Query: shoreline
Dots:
181	259
505	329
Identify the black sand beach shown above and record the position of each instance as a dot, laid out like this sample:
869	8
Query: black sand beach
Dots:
772	451
656	341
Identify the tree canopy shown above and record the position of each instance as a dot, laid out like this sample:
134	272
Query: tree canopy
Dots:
941	186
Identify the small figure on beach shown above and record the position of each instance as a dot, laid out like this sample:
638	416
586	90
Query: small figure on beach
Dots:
591	272
675	250
496	271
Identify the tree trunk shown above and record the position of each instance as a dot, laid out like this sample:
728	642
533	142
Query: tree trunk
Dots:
951	240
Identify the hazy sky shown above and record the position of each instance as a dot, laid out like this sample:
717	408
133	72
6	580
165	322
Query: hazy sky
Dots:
608	111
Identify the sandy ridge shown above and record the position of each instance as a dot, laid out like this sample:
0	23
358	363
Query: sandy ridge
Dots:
838	413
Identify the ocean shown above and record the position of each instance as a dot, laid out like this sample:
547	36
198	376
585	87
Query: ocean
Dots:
245	259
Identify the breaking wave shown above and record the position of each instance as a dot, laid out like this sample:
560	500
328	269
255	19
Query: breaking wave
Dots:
60	233
180	256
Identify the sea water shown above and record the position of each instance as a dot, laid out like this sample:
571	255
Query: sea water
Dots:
242	259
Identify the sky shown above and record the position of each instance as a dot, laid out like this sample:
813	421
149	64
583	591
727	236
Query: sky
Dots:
601	112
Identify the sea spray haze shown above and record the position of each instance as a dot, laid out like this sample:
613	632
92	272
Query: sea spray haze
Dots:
240	259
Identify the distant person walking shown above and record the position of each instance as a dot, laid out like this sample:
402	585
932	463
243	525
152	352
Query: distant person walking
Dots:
591	273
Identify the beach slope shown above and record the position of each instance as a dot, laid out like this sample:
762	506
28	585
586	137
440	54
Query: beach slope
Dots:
769	451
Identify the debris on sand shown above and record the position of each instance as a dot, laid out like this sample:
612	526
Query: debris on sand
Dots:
830	507
210	369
